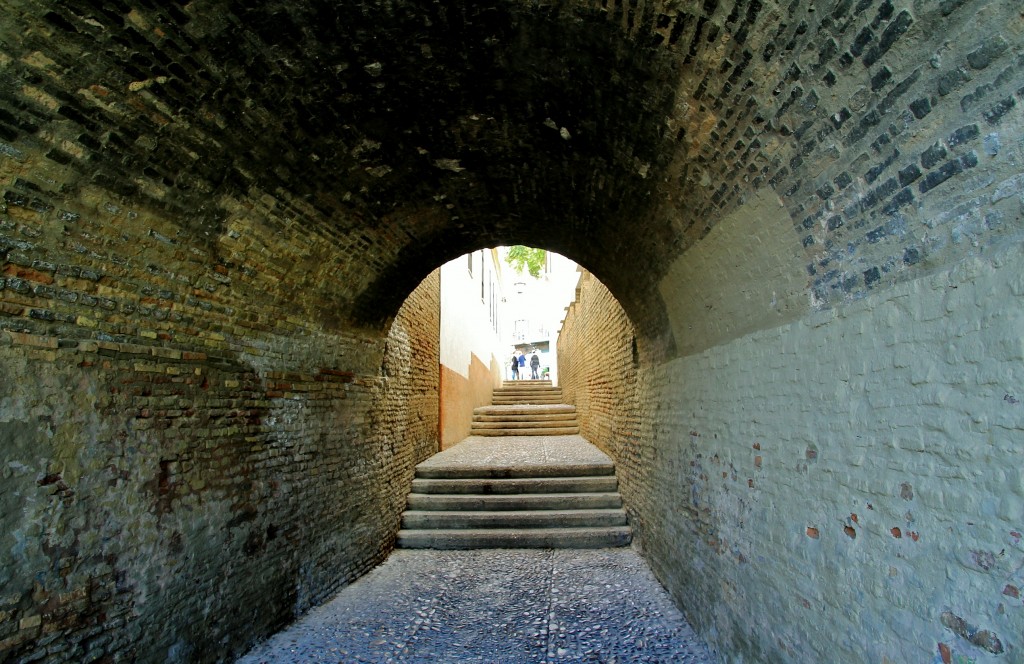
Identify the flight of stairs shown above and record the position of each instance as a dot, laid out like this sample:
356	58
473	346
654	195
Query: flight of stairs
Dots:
520	392
575	507
525	408
507	505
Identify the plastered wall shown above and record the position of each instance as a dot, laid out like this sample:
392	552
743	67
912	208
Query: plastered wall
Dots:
471	294
855	473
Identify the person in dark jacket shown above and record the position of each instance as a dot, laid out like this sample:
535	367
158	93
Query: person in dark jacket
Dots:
534	366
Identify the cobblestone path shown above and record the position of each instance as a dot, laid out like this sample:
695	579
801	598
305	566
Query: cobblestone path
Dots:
497	606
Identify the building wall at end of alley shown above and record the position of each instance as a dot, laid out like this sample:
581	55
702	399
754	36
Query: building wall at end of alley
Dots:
471	333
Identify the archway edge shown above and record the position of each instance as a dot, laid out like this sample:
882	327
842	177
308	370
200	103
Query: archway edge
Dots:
378	304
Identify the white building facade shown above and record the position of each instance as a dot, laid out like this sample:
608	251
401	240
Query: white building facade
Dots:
474	329
536	309
488	312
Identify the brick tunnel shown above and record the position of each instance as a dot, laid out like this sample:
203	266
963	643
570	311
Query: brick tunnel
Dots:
213	395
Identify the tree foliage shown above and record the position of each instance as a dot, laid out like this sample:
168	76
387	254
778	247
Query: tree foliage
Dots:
520	257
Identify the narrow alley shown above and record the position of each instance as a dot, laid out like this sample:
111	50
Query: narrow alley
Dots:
501	605
514	548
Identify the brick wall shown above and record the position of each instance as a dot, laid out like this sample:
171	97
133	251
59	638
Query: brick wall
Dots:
855	473
598	362
189	461
604	369
852	474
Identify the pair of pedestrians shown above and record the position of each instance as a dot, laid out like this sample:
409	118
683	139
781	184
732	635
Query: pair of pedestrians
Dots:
519	365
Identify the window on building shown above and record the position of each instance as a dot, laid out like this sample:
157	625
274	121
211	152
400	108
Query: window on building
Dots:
494	307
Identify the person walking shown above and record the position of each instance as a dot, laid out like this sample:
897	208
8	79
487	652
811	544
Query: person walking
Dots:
534	366
522	366
515	367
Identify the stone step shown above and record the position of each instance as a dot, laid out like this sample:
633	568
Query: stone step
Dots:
525	417
524	423
509	505
520	409
524	393
527	390
537	538
449	520
509	472
520	428
489	486
517	502
514	401
527	381
562	431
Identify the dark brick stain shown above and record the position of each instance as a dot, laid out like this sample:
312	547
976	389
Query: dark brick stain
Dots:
996	112
933	155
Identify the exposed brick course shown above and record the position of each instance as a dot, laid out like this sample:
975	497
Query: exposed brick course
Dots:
216	475
597	365
824	464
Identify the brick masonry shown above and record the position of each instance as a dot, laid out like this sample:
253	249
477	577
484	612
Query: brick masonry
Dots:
211	214
598	367
162	501
855	473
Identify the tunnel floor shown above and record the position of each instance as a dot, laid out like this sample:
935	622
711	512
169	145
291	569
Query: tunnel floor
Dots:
495	605
520	452
501	606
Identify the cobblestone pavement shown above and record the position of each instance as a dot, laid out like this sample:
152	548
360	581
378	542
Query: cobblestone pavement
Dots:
518	451
501	606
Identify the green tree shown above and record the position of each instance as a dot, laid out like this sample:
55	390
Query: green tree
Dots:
520	257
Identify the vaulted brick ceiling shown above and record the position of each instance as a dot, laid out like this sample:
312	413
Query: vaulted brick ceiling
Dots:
413	131
451	124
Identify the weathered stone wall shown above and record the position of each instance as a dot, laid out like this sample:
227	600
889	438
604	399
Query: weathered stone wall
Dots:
188	459
855	473
598	361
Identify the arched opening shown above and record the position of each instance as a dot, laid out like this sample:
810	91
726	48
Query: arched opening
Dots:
495	306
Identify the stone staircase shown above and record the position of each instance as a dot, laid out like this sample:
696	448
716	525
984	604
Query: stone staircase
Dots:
517	491
525	408
522	392
575	507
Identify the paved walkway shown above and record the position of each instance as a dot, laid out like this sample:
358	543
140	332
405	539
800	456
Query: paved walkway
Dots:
504	451
497	606
501	606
